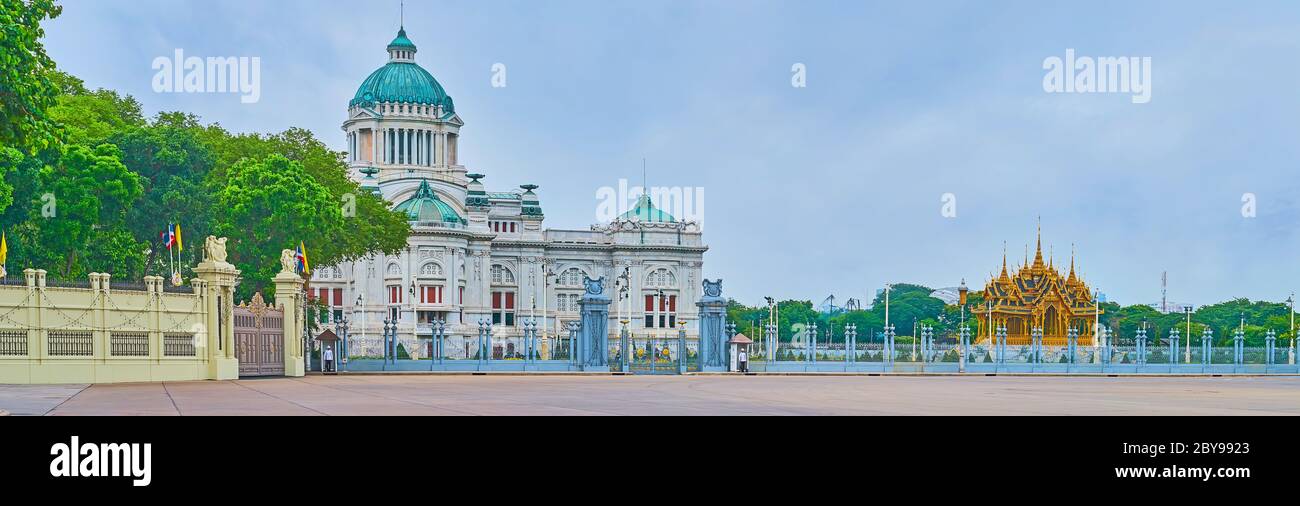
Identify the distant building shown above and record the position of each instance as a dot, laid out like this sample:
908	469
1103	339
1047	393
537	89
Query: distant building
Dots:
1038	296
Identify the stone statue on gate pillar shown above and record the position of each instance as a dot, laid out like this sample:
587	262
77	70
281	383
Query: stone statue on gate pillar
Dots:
713	338
594	341
289	295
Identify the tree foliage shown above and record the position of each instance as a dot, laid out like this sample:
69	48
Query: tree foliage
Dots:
26	87
116	180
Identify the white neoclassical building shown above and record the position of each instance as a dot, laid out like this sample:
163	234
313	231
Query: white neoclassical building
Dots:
479	255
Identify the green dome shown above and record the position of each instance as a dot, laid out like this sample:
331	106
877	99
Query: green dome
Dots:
425	206
402	81
646	211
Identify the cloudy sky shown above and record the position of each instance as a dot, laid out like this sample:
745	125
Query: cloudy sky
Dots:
833	188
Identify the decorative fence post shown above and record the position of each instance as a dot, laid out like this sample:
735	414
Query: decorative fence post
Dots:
1072	344
530	336
1238	342
731	332
574	327
387	348
773	341
1141	339
487	340
1002	344
889	344
1110	345
1270	343
342	359
681	347
965	349
851	343
439	336
1173	346
925	344
483	332
1206	345
812	343
624	352
1104	334
1036	346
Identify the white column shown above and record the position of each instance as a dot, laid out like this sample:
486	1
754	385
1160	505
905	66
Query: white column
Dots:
442	145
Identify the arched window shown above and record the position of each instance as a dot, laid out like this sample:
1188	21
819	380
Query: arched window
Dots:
502	276
394	269
431	269
572	277
661	278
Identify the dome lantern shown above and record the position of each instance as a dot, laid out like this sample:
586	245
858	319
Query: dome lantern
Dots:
401	49
402	81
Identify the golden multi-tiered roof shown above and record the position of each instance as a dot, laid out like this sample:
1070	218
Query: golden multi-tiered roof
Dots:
1038	296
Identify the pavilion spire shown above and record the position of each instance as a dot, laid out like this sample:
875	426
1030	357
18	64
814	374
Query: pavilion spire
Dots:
1072	277
1004	261
1038	254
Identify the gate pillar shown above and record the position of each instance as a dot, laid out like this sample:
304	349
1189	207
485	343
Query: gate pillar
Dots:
594	341
217	289
289	295
713	337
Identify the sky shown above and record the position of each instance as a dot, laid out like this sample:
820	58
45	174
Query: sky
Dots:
836	187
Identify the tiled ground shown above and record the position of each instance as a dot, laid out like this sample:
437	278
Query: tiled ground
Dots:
691	395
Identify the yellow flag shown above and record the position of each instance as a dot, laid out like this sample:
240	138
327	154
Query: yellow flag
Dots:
4	249
180	246
306	268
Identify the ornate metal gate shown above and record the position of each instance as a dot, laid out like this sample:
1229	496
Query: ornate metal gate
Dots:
655	355
259	338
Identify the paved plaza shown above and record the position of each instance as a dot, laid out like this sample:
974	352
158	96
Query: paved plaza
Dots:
668	395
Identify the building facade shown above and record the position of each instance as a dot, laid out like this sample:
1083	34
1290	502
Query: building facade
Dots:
477	255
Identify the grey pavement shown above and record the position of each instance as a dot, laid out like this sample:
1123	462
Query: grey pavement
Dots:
669	395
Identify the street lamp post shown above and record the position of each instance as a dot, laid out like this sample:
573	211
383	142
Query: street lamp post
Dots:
1096	324
415	335
1187	347
1291	355
343	353
888	287
361	304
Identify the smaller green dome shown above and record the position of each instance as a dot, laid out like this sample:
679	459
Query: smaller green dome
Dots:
401	41
425	207
646	211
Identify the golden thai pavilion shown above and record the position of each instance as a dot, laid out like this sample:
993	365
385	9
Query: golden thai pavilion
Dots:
1037	295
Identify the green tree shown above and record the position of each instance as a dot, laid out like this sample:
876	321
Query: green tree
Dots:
369	226
26	86
269	205
86	232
